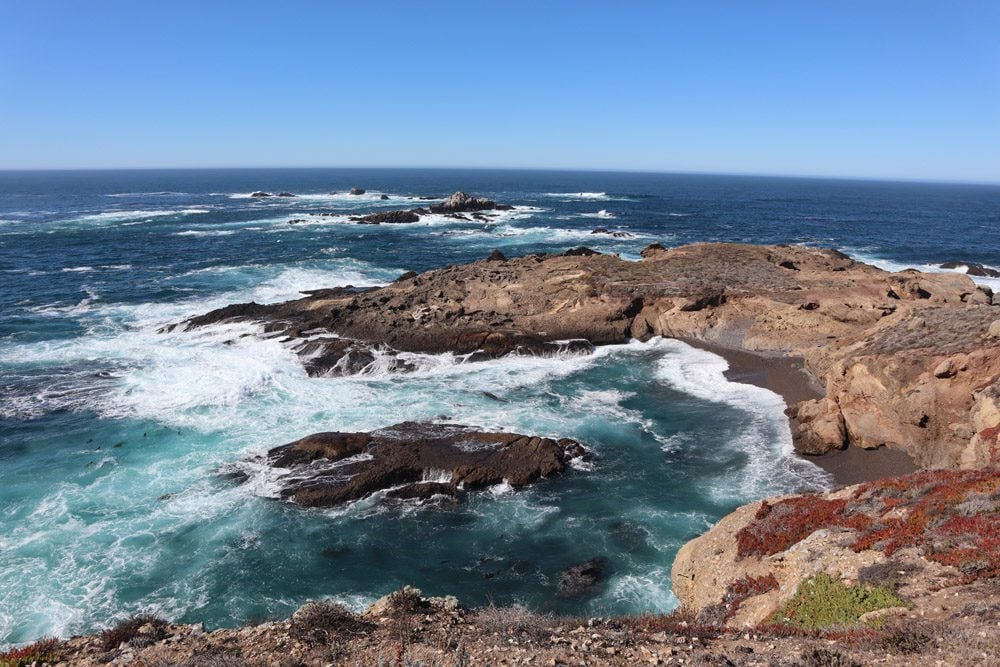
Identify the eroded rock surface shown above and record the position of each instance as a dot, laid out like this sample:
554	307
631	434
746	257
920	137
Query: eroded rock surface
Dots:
414	460
874	340
922	533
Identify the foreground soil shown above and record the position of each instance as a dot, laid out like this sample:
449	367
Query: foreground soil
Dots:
406	629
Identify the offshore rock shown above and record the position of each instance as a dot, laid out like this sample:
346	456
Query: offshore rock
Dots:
582	579
461	202
388	217
876	342
973	269
414	460
357	191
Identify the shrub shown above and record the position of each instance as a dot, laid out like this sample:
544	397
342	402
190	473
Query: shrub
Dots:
889	573
44	650
825	657
128	631
511	620
825	602
777	527
320	621
952	516
906	640
737	593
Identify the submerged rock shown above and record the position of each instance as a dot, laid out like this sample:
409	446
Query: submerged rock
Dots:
414	460
583	578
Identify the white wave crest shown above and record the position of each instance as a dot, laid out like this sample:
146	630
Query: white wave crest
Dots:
895	267
768	438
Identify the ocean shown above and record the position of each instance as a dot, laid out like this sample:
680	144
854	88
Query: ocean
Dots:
113	435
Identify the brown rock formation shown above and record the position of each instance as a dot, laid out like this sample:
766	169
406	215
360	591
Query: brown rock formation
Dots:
876	341
926	531
415	460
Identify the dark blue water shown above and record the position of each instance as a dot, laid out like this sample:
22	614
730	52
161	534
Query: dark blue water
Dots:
111	434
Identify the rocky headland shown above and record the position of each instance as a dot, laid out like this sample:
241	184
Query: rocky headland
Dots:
908	361
895	571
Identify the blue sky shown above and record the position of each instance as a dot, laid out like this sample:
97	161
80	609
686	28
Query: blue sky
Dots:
858	89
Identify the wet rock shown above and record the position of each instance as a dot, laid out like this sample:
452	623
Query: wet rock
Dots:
582	251
422	459
582	579
357	191
461	202
388	217
613	233
384	197
973	269
284	194
261	193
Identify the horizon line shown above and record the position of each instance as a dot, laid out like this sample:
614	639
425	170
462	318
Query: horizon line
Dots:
882	179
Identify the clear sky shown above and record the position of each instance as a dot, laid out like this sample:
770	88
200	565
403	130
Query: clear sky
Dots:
874	88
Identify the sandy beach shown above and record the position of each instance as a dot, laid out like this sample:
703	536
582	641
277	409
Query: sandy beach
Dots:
787	377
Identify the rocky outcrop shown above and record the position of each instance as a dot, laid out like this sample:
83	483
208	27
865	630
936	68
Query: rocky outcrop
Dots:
388	217
261	193
582	579
413	460
920	533
461	202
877	342
357	191
973	269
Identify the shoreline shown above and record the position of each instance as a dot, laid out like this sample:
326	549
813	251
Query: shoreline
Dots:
787	377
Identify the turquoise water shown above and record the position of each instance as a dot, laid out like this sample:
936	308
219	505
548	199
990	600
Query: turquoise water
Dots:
112	435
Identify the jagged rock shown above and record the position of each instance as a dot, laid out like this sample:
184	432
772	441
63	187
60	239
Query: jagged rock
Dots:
357	191
384	197
461	202
497	256
582	251
583	578
652	250
945	369
388	217
423	459
612	233
973	269
261	193
284	194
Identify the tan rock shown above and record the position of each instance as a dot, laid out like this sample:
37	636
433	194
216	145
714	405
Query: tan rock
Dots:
873	339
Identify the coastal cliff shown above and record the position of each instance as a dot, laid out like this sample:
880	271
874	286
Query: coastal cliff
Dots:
890	571
908	360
